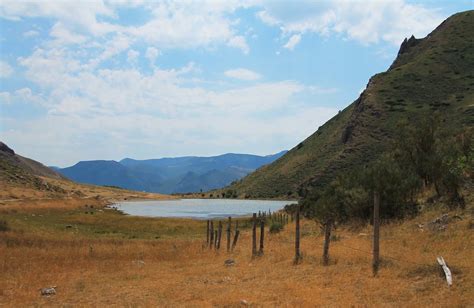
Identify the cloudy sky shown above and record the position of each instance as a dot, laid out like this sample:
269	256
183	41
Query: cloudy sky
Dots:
83	80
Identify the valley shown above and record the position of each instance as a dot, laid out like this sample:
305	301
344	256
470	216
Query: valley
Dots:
358	213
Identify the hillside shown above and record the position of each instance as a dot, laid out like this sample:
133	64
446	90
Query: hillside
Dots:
23	179
168	175
431	74
25	174
16	167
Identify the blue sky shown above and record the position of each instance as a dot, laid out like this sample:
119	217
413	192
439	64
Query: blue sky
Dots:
83	80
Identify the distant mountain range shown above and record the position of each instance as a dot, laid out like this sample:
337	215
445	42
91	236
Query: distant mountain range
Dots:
168	175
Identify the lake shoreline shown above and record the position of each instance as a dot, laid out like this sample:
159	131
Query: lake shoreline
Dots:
200	209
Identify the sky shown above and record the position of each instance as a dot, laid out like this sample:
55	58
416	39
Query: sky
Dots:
85	80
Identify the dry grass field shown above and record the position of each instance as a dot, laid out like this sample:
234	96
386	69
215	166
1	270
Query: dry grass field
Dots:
107	258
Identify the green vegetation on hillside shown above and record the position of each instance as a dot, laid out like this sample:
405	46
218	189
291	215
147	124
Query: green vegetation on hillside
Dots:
434	74
420	157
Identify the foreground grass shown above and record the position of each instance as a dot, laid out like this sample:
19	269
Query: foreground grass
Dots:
107	258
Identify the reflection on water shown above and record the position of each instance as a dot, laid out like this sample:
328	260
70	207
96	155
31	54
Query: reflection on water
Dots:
199	208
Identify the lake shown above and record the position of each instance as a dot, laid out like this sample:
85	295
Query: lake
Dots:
199	208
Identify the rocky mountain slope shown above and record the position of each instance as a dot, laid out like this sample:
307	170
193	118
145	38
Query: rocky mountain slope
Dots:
434	74
14	167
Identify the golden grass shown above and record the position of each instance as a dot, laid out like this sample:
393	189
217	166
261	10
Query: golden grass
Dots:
91	269
13	192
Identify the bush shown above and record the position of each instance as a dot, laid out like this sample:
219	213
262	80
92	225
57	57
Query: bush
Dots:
4	226
276	227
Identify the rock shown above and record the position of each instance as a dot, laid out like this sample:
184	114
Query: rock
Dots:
5	148
229	262
441	223
139	262
244	302
48	291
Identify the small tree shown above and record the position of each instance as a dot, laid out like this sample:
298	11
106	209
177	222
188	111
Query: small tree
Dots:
396	185
329	206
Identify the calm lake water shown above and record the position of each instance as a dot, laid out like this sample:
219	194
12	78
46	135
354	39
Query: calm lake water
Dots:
199	208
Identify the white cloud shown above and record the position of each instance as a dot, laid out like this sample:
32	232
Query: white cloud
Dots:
5	69
80	15
177	24
62	35
367	22
239	42
151	54
293	41
22	95
146	136
118	44
5	98
243	74
30	33
163	110
132	55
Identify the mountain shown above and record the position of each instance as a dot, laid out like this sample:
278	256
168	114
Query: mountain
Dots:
21	176
111	173
14	167
431	74
168	175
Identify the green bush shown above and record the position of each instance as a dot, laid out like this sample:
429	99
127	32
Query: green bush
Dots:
4	226
276	227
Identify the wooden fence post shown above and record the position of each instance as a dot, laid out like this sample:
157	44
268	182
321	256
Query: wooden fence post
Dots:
254	234
297	237
327	240
376	247
219	235
211	231
262	236
236	237
207	233
215	239
229	224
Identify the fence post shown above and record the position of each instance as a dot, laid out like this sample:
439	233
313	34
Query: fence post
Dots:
215	239
254	234
207	233
219	235
297	237
229	224
236	235
327	240
211	231
262	236
376	247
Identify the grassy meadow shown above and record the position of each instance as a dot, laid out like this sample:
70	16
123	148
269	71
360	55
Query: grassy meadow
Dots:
97	257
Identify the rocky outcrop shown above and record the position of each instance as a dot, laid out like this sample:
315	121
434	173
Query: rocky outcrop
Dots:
6	149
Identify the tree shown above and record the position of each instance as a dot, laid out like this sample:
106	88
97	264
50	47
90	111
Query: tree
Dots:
439	156
396	184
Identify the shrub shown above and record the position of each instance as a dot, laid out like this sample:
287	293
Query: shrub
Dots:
276	227
4	226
